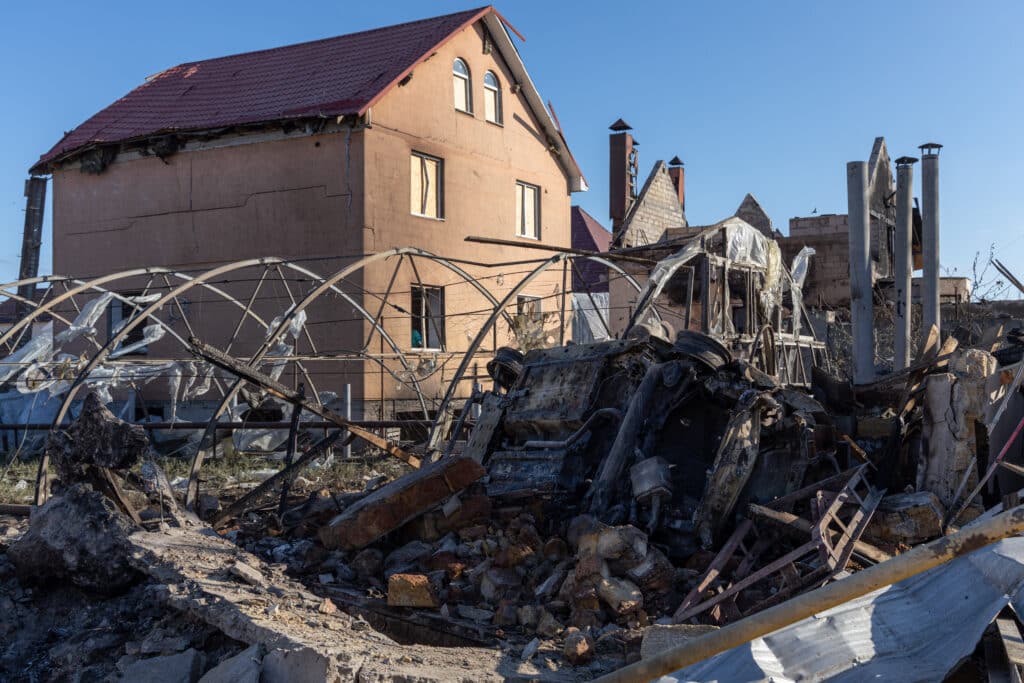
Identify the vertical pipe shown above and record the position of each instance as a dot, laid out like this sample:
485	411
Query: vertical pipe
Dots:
930	314
35	205
861	308
348	415
903	284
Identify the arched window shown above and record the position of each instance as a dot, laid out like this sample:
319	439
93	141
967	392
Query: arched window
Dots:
492	98
463	91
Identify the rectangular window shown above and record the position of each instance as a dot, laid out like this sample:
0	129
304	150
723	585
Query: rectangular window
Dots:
120	313
527	210
529	307
426	193
427	317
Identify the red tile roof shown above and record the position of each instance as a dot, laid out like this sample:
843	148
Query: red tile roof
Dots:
588	234
330	77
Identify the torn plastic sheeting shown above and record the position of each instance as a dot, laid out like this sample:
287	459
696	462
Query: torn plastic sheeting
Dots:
587	325
801	264
193	371
916	630
104	378
174	384
151	333
797	277
38	348
294	327
659	277
85	322
19	408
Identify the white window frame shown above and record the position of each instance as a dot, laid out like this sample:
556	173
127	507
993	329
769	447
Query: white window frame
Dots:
464	82
430	324
523	299
424	183
521	191
495	90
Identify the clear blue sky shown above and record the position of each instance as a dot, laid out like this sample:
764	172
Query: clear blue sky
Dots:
765	97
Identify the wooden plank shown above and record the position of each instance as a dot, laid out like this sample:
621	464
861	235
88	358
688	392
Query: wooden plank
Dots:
803	527
714	569
264	491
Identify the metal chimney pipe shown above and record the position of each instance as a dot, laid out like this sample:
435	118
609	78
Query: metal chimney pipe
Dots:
861	304
902	284
930	312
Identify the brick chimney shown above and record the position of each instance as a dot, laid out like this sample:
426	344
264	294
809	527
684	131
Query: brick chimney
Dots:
622	170
678	175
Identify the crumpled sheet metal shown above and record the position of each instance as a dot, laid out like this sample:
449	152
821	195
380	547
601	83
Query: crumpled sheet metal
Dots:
916	630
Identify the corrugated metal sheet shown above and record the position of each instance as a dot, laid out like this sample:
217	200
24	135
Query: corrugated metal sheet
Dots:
916	630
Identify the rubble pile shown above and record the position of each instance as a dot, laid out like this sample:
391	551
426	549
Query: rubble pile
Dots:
611	501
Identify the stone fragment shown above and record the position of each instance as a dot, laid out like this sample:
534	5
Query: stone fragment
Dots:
549	586
513	555
184	667
327	606
160	642
505	614
555	549
498	583
248	574
527	615
547	625
654	574
623	547
244	667
578	647
659	638
96	437
78	536
408	555
411	590
907	518
368	564
474	613
587	618
621	595
530	650
209	505
580	526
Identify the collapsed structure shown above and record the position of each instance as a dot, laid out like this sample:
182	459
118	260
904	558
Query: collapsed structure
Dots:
586	474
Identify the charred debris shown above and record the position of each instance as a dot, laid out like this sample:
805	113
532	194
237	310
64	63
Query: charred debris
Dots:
599	505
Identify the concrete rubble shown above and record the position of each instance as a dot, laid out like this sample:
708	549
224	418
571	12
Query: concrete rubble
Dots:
608	503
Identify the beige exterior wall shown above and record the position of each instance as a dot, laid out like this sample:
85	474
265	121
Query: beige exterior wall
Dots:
482	162
335	194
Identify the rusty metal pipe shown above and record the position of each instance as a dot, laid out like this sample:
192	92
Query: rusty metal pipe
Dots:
911	563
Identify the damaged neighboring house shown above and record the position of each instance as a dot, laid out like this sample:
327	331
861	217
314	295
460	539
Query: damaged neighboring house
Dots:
589	279
416	134
727	280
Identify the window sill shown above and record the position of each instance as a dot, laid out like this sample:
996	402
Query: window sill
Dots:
429	218
528	237
468	112
499	124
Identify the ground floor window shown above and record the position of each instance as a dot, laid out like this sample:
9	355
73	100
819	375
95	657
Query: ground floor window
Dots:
427	317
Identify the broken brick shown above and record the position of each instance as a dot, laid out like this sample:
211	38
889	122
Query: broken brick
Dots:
411	590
